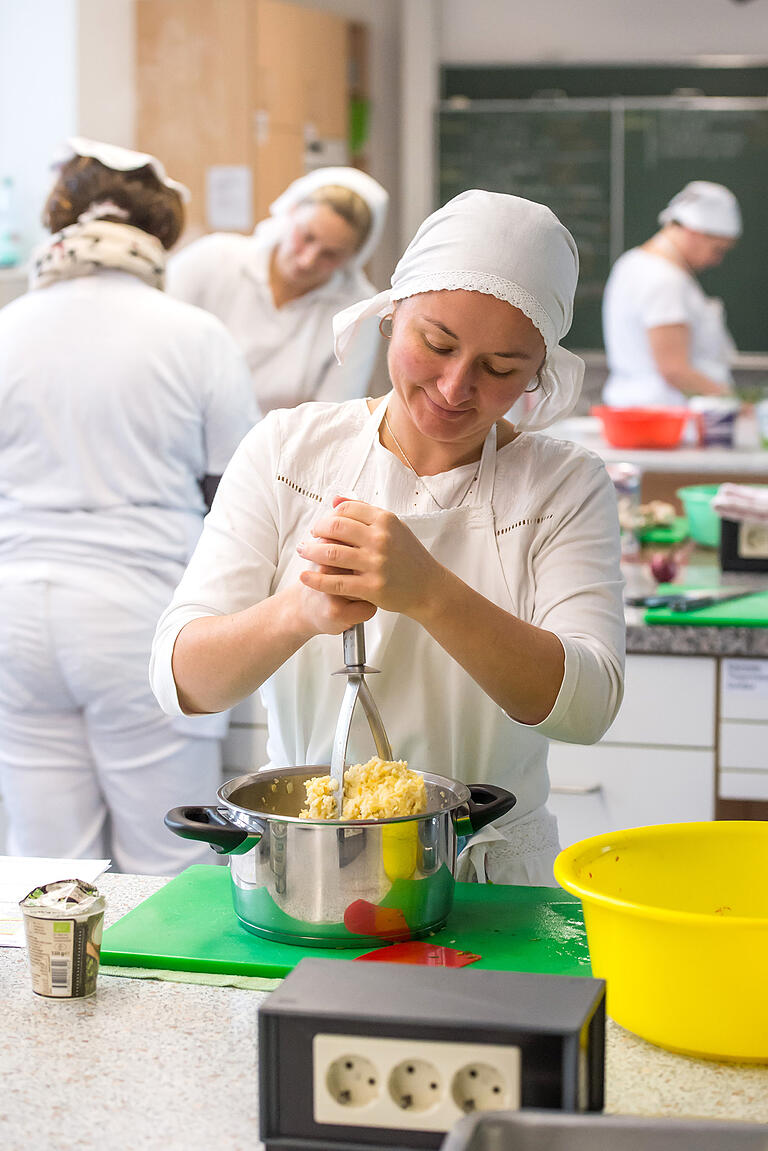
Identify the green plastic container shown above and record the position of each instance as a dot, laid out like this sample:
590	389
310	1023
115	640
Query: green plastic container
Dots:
703	523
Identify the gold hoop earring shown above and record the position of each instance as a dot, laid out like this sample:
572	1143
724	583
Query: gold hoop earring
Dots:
388	334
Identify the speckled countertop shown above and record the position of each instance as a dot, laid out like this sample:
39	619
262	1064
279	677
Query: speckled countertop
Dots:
146	1064
702	571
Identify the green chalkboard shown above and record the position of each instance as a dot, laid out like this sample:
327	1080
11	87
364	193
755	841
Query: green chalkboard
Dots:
607	167
666	147
723	77
560	158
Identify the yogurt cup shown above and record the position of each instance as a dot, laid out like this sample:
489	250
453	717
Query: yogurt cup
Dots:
716	418
761	415
63	924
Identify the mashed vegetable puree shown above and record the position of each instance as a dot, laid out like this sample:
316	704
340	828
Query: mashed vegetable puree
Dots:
378	789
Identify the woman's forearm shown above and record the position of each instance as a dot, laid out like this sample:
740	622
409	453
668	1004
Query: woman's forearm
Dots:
692	383
670	344
520	666
219	660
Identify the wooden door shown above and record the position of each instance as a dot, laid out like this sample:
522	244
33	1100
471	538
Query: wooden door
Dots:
192	88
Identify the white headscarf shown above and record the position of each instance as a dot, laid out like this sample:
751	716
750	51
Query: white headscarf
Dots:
376	197
506	247
705	207
118	159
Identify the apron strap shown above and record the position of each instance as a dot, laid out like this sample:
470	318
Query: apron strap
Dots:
350	473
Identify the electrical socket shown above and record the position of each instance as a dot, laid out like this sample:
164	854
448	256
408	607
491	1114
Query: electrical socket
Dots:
420	1085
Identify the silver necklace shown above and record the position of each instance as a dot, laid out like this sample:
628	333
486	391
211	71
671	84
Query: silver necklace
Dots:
404	454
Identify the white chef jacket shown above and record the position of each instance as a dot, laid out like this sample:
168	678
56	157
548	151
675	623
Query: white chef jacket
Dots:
289	349
555	539
644	291
115	401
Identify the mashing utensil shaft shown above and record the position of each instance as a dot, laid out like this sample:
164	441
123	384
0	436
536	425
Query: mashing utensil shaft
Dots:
356	689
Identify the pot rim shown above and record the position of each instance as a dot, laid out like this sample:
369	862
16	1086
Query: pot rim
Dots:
460	791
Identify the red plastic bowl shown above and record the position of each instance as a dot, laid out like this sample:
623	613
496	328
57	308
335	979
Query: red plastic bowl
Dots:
643	427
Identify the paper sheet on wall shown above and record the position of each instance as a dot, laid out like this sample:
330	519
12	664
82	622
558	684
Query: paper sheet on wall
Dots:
229	198
19	875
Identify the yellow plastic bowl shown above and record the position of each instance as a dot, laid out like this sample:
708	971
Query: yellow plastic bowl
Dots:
677	925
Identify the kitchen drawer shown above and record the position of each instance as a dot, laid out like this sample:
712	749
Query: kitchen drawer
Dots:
604	788
748	785
744	689
668	700
744	745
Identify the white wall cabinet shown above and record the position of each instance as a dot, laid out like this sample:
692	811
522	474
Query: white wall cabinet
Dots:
655	764
743	735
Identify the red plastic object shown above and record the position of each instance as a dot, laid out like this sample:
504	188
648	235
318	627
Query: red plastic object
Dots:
364	918
643	427
422	952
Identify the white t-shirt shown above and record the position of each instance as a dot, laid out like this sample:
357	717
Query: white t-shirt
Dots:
289	349
556	536
115	402
645	291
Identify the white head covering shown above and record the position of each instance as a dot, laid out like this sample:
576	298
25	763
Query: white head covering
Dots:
376	197
704	207
506	247
118	159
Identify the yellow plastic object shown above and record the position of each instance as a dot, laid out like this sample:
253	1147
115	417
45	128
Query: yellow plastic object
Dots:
677	924
400	844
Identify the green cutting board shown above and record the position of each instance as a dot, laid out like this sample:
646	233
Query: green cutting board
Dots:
750	611
672	533
190	925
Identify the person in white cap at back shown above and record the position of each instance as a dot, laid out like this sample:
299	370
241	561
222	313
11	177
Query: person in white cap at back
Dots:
278	290
484	558
119	408
665	339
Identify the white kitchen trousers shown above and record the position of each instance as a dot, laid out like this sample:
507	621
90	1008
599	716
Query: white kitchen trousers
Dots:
89	764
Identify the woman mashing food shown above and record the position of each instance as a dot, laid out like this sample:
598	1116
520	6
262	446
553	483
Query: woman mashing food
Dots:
484	558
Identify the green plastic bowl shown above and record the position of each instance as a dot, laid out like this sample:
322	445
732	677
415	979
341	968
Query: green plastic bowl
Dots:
703	523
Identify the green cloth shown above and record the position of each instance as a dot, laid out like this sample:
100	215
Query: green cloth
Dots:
210	979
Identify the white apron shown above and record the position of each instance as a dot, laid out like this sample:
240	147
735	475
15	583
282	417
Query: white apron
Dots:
437	717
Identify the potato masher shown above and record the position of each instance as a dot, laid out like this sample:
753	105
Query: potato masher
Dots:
355	669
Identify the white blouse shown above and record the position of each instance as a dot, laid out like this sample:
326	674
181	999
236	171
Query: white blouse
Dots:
556	534
644	291
115	402
289	350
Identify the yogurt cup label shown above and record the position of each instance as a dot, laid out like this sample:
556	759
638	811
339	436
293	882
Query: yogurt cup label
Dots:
63	923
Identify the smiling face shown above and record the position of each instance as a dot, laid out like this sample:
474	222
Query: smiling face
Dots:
318	241
458	360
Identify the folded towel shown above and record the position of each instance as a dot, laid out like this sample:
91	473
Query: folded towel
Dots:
742	502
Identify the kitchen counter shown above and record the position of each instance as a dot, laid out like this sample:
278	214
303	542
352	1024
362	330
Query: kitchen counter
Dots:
148	1064
587	430
702	571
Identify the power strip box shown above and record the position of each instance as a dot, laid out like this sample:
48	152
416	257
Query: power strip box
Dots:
358	1056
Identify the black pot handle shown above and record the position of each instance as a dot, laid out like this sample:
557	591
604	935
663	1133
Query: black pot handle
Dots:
487	802
207	825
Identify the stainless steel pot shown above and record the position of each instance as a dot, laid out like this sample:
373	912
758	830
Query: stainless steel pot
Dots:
337	883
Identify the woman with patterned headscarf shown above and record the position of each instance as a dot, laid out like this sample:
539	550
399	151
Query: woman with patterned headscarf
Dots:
119	410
